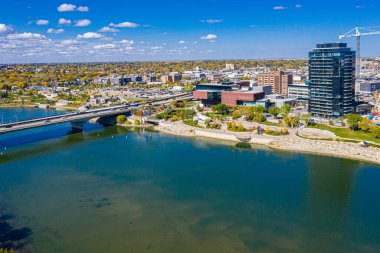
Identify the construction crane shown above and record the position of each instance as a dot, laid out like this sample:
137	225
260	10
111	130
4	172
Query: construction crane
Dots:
358	32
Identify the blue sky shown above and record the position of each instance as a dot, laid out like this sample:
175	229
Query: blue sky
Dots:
124	30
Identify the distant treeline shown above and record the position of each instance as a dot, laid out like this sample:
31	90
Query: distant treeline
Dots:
44	74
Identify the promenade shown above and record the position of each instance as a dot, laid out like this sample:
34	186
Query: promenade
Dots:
290	143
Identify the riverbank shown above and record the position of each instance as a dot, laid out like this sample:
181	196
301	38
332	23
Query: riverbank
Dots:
290	143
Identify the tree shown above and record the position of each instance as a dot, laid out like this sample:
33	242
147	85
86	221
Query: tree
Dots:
258	109
375	131
285	109
353	121
366	124
259	117
221	109
275	111
121	119
292	121
306	118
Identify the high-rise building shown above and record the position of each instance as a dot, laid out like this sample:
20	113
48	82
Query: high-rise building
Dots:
279	81
331	80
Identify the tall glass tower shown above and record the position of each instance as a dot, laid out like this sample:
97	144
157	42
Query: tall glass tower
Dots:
332	80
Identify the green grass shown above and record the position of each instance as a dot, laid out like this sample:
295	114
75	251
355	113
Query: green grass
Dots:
267	123
348	133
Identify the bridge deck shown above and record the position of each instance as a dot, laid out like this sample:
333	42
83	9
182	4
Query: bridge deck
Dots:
83	116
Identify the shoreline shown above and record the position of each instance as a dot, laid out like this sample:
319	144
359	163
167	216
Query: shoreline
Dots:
294	144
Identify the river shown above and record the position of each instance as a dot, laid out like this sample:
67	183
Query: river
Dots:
116	190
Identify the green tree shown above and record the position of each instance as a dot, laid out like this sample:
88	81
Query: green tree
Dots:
306	118
292	121
353	121
375	131
275	111
259	117
366	124
221	109
258	109
285	109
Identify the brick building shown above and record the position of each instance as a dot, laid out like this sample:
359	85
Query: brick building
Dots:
279	81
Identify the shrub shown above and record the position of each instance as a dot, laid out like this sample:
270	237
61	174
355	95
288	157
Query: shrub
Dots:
375	130
137	122
121	119
240	128
331	122
236	115
191	122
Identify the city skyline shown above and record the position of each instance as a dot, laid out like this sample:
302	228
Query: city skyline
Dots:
86	31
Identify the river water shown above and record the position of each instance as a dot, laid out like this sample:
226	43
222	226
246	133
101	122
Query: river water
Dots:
116	190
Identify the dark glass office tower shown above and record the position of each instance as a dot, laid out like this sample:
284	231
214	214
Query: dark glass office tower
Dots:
332	80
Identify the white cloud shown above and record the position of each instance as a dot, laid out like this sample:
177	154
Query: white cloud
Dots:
90	35
156	47
66	7
279	8
55	31
212	21
181	42
69	42
4	29
105	46
83	9
25	35
108	29
209	37
129	42
298	6
63	21
125	25
42	22
82	23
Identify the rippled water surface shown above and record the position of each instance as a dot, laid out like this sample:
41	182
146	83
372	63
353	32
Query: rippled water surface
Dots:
113	190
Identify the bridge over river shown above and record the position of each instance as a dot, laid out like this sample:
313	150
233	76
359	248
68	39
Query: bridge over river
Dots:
77	119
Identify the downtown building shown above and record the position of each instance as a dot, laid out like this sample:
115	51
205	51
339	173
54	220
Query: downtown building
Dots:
331	80
279	81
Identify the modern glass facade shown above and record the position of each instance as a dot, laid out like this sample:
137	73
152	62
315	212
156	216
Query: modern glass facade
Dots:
332	80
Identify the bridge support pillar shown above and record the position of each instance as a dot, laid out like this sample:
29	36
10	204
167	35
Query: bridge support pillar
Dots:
77	126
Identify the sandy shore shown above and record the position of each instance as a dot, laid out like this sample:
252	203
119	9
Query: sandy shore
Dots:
290	143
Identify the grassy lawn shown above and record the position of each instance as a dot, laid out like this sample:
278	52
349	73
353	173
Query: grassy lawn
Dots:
348	133
271	124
